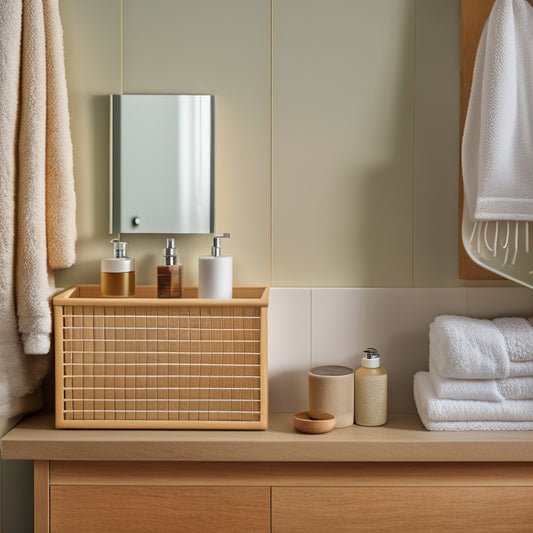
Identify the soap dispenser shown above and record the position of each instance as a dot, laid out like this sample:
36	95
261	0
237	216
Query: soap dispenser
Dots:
215	273
370	391
169	273
117	274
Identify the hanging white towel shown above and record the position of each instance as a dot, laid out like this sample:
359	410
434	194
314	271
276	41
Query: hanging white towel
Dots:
497	158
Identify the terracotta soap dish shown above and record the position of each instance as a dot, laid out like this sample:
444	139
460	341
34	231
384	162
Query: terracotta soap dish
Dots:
305	424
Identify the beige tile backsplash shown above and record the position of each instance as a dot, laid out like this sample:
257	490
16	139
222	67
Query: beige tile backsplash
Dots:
309	327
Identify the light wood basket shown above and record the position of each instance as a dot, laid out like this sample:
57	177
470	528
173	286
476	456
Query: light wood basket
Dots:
147	362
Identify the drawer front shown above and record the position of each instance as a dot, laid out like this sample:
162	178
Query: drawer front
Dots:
131	509
403	509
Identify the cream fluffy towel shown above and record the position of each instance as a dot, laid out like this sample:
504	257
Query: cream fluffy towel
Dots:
497	158
22	199
20	374
45	235
33	282
60	195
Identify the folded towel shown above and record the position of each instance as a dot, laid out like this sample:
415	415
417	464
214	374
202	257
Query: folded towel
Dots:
477	425
520	369
455	415
490	390
518	335
469	348
472	348
497	159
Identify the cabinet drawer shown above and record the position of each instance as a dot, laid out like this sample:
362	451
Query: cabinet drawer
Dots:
402	509
158	508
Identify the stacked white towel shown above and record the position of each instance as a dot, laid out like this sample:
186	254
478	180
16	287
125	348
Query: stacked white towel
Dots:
480	375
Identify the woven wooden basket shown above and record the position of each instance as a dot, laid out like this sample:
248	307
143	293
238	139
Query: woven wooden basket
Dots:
145	362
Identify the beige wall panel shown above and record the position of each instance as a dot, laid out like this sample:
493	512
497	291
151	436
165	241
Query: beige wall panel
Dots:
436	143
93	65
220	48
342	127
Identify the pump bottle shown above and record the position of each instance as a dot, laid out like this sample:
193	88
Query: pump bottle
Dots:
215	273
370	391
117	274
169	273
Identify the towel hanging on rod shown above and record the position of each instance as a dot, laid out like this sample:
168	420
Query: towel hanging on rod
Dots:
37	200
497	160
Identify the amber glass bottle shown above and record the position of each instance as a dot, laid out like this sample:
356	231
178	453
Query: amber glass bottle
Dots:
169	273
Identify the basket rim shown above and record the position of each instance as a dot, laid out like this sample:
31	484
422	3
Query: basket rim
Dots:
89	295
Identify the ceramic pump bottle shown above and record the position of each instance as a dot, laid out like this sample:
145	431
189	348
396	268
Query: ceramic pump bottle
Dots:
215	273
117	274
370	391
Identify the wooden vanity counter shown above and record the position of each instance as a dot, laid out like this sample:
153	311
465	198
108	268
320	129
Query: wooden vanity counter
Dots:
402	439
398	477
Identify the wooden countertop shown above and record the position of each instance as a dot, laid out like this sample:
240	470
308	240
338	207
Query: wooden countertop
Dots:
402	439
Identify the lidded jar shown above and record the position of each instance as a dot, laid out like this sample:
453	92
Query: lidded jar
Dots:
331	391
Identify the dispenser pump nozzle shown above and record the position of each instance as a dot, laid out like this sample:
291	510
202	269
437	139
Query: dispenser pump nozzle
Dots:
170	253
119	248
371	358
215	249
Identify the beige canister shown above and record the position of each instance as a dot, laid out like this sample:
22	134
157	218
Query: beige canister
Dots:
331	390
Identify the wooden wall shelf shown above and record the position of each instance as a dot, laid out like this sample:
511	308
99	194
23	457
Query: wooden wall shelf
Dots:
403	438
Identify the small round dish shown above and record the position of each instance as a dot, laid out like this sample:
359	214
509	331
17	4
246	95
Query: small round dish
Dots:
305	424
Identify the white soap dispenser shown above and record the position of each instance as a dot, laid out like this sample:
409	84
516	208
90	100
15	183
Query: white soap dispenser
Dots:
215	273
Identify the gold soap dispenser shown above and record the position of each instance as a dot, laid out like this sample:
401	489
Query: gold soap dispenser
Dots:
117	273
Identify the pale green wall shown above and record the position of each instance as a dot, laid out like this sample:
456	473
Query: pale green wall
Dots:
337	132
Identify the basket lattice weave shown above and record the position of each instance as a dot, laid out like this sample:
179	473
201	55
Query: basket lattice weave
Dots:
145	362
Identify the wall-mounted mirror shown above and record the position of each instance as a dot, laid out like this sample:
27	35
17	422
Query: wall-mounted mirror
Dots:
162	167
